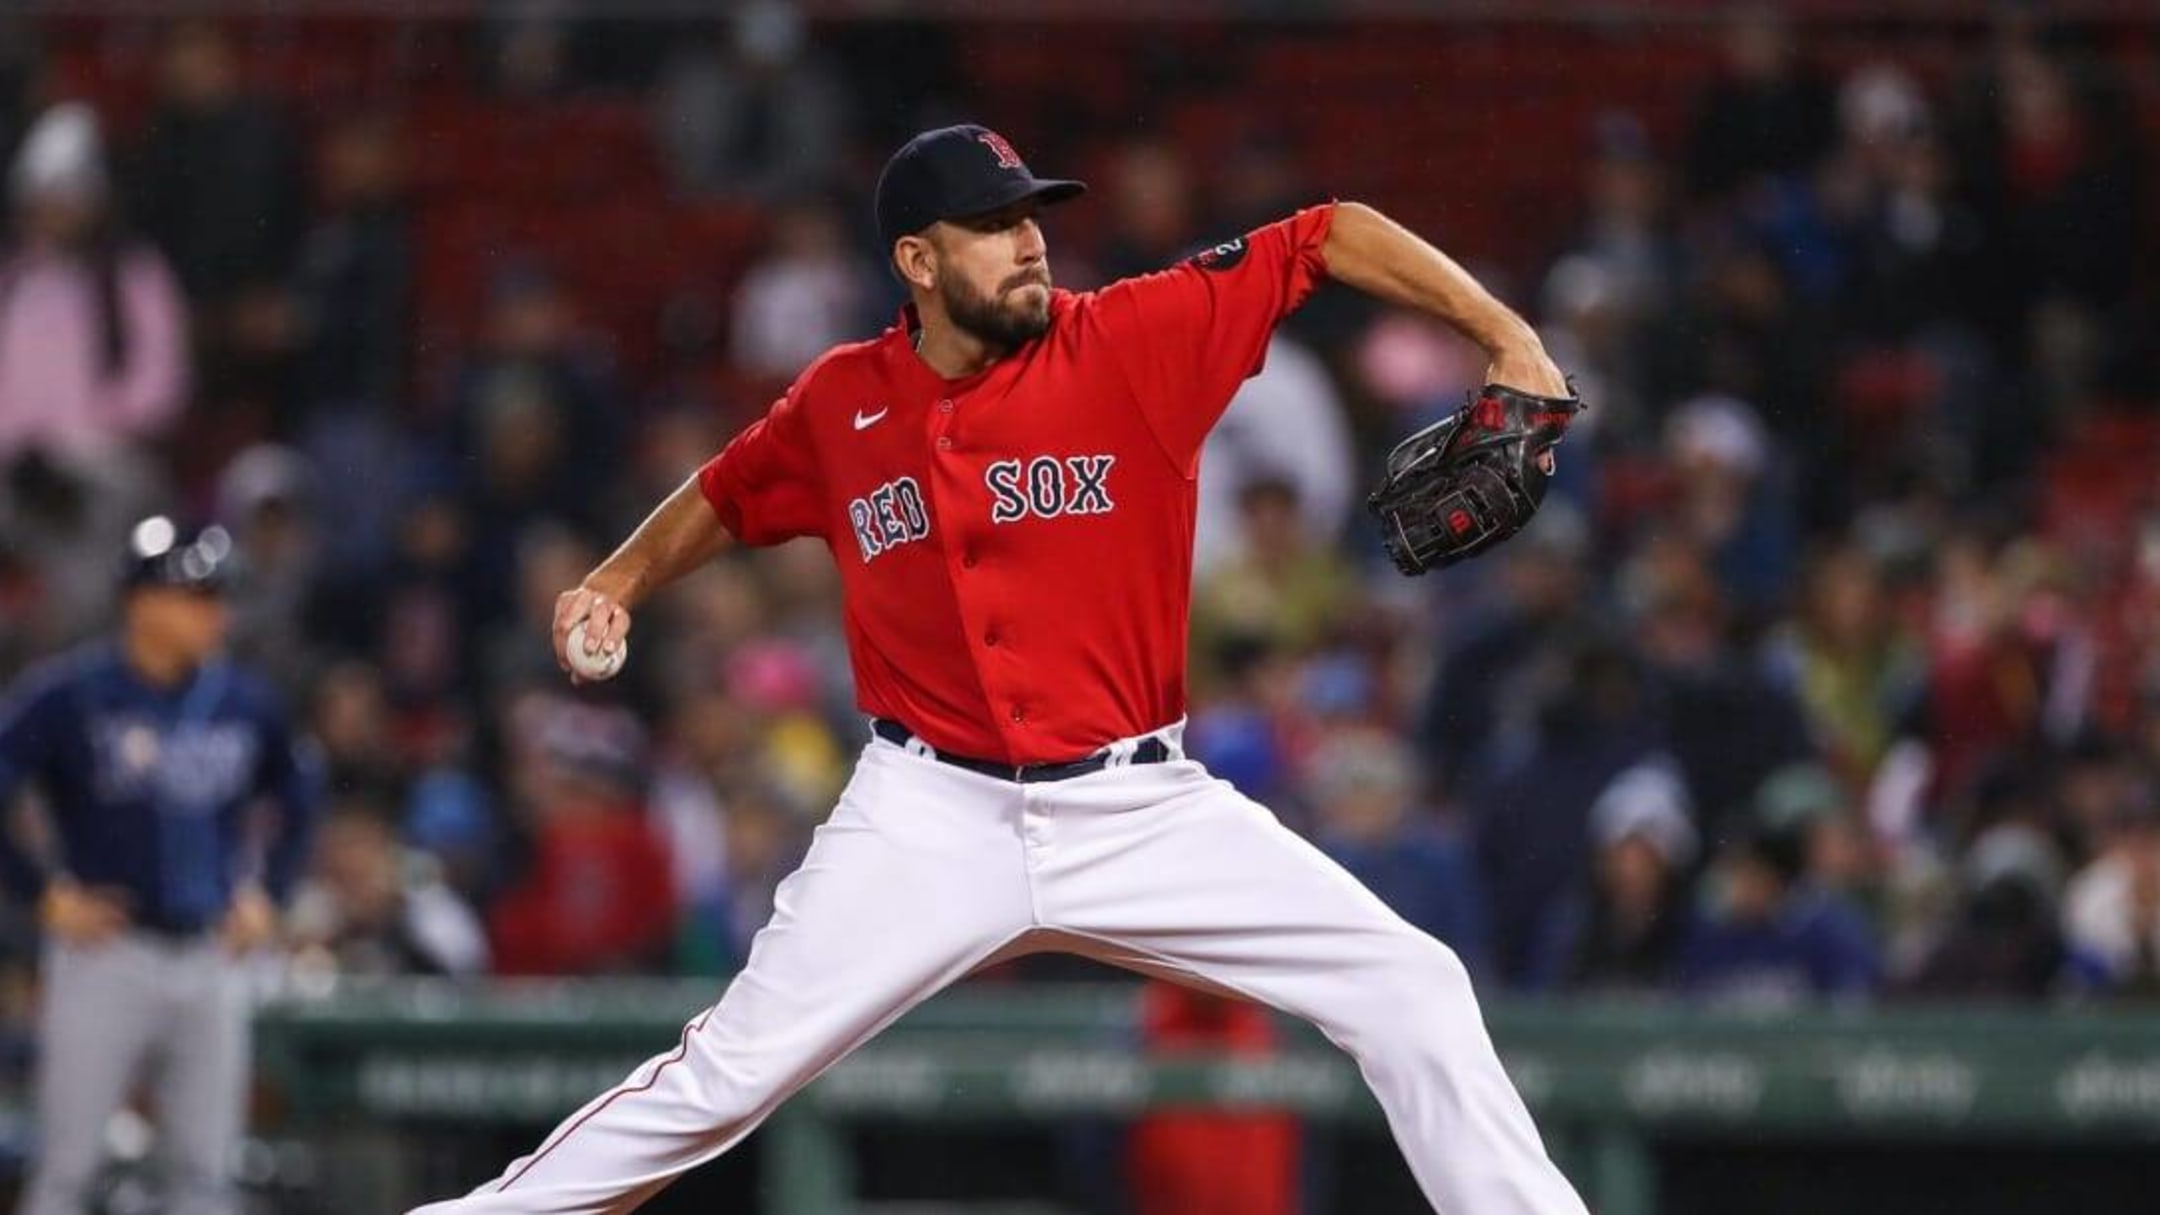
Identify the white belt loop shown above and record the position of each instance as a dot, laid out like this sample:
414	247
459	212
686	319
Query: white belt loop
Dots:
916	746
1121	753
1173	738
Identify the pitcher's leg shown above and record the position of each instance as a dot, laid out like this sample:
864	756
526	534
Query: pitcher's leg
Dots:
1204	883
914	880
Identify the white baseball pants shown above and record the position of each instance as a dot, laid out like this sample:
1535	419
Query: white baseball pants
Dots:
926	872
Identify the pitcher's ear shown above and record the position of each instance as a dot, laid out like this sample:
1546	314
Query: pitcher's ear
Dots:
915	260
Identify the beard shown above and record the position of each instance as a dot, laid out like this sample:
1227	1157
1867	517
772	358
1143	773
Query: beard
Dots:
999	321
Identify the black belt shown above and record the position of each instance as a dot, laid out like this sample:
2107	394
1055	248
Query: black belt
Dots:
1150	750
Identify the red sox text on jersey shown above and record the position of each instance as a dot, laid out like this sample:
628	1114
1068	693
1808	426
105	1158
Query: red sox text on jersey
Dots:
1015	547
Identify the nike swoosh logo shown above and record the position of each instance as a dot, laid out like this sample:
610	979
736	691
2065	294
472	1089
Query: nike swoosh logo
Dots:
865	421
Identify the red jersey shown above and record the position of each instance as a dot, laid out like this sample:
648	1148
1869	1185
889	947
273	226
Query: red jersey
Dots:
1015	547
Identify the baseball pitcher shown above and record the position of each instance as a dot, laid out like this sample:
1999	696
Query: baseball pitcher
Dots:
1005	479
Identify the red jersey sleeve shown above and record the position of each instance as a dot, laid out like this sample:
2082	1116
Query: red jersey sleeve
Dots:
1186	337
765	484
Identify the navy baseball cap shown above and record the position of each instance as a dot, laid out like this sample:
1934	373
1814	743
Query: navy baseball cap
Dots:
955	172
161	552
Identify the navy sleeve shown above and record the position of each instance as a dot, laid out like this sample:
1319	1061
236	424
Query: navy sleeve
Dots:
32	719
291	775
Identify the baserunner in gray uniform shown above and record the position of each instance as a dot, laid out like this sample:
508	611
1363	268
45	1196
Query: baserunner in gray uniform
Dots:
150	755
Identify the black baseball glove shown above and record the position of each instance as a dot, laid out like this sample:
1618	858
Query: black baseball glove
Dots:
1471	480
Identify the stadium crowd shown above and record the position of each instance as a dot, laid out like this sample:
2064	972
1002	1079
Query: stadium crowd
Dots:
1830	671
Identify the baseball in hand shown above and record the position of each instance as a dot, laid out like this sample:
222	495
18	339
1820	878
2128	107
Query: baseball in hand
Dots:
589	661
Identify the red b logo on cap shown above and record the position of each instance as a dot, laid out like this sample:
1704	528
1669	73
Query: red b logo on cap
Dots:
1006	157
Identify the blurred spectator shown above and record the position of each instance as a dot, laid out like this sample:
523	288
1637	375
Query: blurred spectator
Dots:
550	560
376	467
1805	800
1241	727
803	589
60	522
763	837
93	333
1483	688
776	679
533	353
1287	421
1771	936
1589	719
2052	160
535	414
450	817
2112	907
265	497
598	895
2095	776
217	180
704	737
352	725
1770	115
373	908
673	440
1741	332
1416	369
1210	1162
1625	936
354	282
1285	584
1363	789
714	611
2004	941
59	526
806	296
754	113
1732	499
1150	211
1261	181
1724	718
1918	247
2002	650
1627	232
1590	327
425	616
1857	676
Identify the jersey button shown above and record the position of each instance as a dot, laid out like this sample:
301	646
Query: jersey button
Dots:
944	406
967	561
944	442
991	639
1019	713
